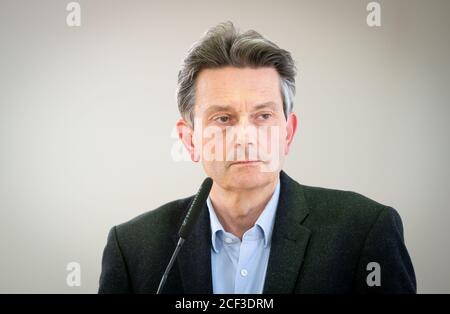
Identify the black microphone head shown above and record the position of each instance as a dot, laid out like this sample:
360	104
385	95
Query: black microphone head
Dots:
195	208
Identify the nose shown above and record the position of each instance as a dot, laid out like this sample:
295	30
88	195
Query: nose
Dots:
245	133
245	146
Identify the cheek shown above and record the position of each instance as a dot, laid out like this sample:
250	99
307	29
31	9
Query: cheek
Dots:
213	146
284	143
271	142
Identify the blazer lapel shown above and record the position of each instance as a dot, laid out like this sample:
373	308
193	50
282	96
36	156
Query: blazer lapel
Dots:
194	259
289	238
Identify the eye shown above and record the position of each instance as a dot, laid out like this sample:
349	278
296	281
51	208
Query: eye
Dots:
265	116
222	119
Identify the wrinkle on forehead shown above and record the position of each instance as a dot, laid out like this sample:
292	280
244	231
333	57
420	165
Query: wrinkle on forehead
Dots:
241	88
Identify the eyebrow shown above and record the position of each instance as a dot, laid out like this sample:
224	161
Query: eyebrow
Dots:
215	108
269	104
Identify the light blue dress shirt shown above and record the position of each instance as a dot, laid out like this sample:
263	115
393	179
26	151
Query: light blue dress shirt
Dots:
240	266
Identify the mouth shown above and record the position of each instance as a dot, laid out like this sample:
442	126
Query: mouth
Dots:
246	163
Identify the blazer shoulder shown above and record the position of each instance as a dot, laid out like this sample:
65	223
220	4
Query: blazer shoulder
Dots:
347	204
163	220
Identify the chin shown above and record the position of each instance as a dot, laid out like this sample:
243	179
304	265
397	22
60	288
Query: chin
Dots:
247	178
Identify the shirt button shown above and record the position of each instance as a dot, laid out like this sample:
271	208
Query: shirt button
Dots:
244	272
228	240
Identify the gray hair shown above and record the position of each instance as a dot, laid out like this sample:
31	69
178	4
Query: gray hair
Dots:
223	46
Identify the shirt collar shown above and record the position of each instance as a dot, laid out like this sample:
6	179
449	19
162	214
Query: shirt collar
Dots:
216	226
265	220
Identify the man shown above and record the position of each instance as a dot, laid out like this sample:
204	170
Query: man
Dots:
260	231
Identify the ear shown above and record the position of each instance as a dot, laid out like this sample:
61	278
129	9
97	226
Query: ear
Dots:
186	135
291	128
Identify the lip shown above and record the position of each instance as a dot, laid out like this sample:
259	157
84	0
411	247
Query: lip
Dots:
248	162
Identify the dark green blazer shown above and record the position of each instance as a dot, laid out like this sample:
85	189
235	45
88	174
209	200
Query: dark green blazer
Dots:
322	242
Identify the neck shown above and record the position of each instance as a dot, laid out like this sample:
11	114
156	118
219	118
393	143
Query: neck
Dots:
238	210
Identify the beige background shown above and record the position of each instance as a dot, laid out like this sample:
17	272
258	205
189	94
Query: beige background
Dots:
86	116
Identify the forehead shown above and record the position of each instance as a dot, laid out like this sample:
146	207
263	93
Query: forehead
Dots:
237	87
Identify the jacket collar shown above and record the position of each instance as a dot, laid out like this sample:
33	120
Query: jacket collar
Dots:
289	239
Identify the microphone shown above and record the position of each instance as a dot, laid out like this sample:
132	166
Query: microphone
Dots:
187	225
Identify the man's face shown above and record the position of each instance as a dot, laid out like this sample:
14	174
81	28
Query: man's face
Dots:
240	132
